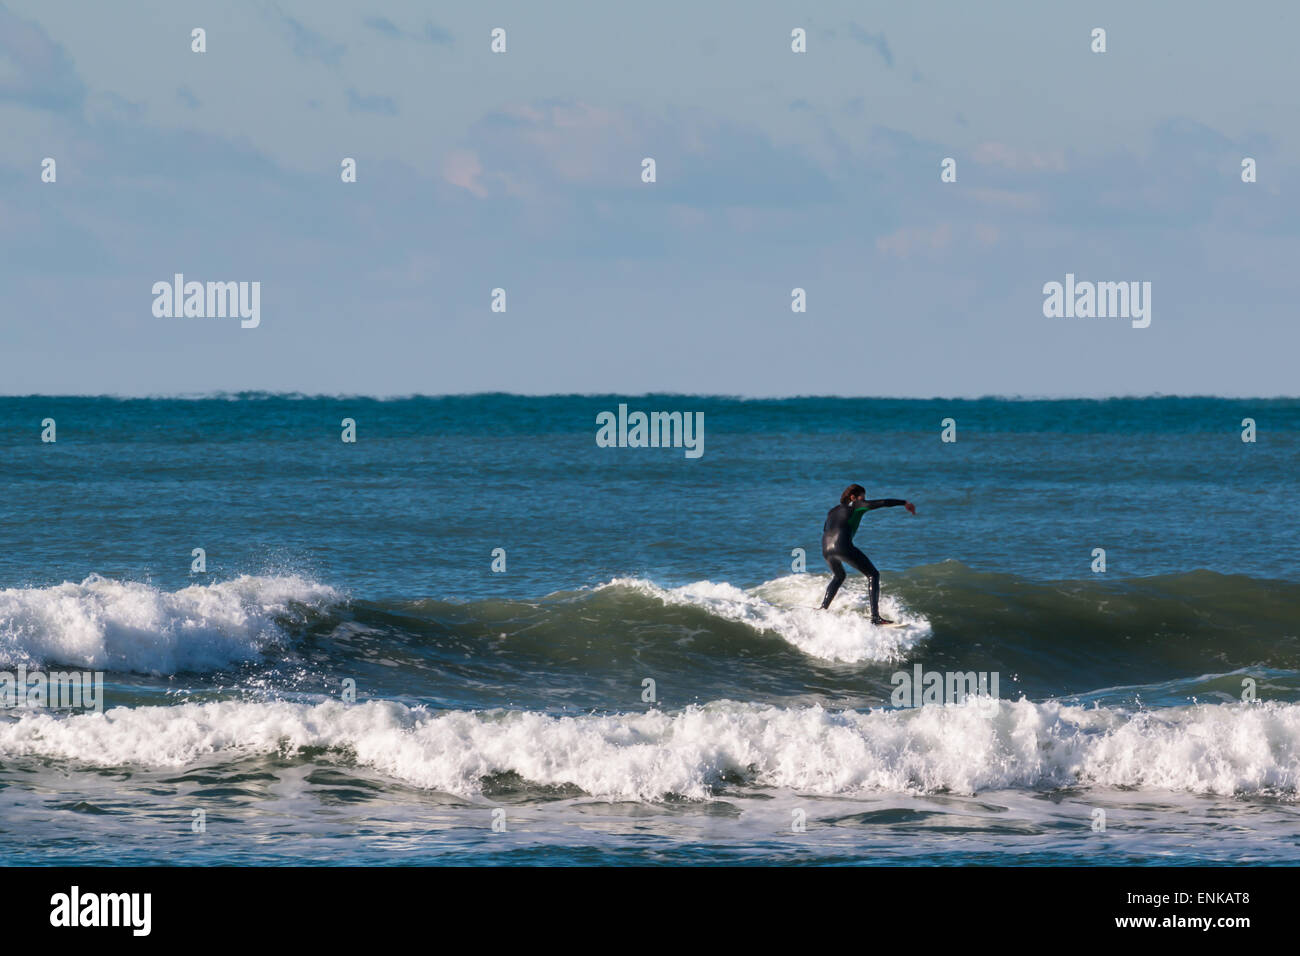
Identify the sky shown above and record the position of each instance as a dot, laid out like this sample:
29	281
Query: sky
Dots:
775	170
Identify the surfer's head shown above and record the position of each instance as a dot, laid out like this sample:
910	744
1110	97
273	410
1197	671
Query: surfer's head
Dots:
851	492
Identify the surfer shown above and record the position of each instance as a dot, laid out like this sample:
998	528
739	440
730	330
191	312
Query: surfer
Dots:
838	548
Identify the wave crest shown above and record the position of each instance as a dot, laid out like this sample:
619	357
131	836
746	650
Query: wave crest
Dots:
103	624
789	607
1216	749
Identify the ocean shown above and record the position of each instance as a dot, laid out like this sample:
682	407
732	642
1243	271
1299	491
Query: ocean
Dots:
473	636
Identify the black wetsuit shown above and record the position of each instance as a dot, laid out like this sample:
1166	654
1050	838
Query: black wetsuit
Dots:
838	548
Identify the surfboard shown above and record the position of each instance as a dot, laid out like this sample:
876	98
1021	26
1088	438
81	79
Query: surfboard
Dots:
818	607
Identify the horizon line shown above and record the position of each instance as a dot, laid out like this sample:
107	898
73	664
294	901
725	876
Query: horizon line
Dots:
228	395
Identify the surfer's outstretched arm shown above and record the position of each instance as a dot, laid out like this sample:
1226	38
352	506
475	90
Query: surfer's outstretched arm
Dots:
875	503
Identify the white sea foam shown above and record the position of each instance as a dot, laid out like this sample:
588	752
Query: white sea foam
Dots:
103	624
1216	749
790	608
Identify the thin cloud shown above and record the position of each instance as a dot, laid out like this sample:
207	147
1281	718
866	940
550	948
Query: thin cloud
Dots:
876	41
430	34
383	25
310	45
374	103
34	70
437	35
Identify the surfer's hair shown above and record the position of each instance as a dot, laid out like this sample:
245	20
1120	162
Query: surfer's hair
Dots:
852	491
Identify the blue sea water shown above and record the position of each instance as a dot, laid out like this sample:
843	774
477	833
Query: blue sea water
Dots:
647	680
